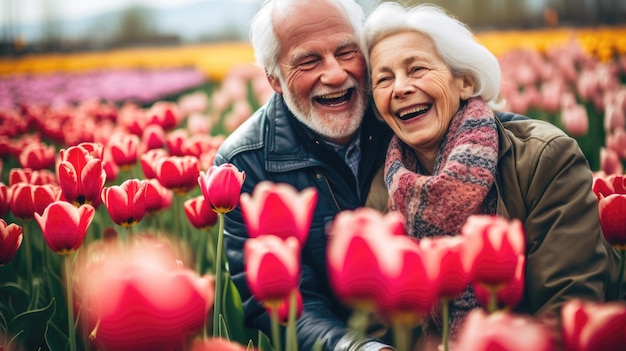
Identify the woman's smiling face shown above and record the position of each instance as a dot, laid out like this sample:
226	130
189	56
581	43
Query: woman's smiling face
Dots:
414	90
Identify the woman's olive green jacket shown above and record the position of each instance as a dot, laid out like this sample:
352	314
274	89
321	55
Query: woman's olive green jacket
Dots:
544	179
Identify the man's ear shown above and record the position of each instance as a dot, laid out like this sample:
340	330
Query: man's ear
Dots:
274	83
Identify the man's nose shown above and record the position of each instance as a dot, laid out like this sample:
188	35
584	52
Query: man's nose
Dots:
334	73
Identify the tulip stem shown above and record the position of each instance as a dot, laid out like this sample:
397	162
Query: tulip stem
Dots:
493	299
28	242
275	327
401	336
292	340
621	274
445	309
217	308
70	302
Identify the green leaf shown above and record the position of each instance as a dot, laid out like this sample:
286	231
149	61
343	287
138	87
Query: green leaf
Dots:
233	314
29	328
14	299
56	339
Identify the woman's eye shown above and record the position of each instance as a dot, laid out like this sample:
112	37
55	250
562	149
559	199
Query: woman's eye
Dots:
415	69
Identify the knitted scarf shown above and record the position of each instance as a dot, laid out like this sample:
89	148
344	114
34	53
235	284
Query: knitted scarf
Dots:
461	185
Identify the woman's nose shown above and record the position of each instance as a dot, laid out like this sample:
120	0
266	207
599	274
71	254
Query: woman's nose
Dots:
403	87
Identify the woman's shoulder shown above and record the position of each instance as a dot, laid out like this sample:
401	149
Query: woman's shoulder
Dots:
526	128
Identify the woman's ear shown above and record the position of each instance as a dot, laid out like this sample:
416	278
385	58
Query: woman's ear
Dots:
466	87
274	83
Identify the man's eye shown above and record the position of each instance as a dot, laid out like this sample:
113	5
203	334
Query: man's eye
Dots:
347	54
307	64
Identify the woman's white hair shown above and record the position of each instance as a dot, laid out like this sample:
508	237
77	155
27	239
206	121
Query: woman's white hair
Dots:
454	42
263	33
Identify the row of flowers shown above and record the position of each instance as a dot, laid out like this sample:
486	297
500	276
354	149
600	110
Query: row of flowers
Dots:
130	291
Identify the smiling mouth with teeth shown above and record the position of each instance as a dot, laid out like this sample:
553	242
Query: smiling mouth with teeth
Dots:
335	99
413	112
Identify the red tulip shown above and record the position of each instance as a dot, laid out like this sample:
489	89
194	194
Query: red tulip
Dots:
199	213
64	226
5	200
175	140
221	187
27	199
123	148
153	137
283	307
354	264
610	184
218	344
149	162
442	256
410	292
178	173
272	267
81	176
493	245
613	219
503	331
158	197
27	175
511	294
126	203
37	156
10	240
278	209
141	298
165	114
590	326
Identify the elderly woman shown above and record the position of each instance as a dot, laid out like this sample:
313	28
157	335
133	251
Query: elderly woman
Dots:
452	157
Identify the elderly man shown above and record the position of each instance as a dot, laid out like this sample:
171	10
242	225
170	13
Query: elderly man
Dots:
319	131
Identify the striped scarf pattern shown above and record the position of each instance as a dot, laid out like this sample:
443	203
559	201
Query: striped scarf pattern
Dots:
461	185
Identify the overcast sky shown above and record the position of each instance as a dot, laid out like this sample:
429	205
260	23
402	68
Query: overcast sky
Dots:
32	11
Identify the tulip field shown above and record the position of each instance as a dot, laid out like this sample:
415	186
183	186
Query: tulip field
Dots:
111	229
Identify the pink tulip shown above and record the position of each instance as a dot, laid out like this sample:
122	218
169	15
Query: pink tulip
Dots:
575	120
64	225
511	294
443	257
149	162
503	331
126	203
590	326
354	264
178	173
123	148
140	297
158	197
164	113
278	209
199	213
81	176
272	266
610	161
221	186
37	156
218	344
27	199
27	175
5	200
493	245
612	216
10	240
